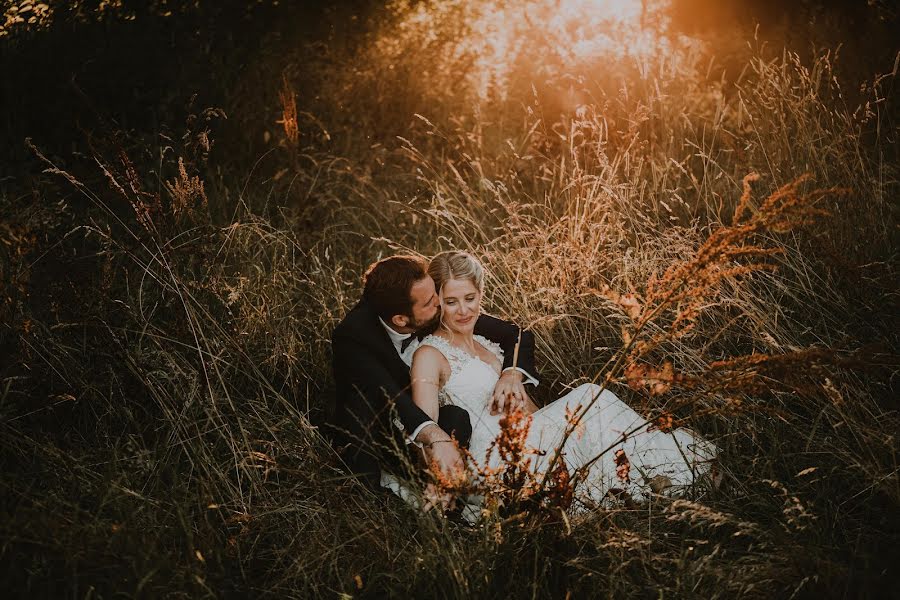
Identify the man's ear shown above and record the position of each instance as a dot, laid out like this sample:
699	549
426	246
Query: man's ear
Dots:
401	321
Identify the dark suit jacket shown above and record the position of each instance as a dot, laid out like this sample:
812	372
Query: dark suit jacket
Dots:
373	385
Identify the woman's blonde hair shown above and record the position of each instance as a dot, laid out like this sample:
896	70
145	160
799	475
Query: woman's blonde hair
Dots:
455	264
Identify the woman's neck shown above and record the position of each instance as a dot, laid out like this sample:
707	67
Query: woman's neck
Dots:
463	340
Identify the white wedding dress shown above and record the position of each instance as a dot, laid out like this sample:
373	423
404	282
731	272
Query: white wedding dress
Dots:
607	426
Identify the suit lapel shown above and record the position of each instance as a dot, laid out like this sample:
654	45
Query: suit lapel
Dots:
374	336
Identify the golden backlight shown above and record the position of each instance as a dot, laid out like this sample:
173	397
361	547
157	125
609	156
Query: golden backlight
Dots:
540	34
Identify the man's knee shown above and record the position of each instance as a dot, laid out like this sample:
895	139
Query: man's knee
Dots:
455	421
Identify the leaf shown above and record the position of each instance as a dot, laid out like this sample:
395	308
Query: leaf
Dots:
664	378
664	422
635	375
632	306
659	381
806	471
623	466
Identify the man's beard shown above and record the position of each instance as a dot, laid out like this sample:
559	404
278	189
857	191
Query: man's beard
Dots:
426	327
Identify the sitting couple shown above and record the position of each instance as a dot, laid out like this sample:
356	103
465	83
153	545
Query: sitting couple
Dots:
418	359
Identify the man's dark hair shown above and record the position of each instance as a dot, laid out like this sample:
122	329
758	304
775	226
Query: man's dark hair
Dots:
388	284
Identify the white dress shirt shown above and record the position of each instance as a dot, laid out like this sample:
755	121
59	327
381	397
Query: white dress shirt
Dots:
397	339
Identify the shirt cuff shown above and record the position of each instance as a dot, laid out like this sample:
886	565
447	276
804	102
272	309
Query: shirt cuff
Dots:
412	437
529	379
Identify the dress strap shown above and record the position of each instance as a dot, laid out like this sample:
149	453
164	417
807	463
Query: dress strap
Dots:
457	357
493	347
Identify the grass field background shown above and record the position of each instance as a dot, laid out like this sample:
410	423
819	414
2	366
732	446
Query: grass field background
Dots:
202	187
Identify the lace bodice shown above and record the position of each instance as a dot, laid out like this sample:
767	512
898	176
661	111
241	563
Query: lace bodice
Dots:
471	380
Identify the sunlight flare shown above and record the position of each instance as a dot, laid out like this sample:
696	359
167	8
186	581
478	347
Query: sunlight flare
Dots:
537	37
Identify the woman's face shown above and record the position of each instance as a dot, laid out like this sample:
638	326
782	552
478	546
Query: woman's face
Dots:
460	305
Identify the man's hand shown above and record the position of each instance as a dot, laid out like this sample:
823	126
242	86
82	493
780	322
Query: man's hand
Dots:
441	451
509	394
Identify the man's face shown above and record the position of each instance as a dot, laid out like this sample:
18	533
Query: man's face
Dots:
425	304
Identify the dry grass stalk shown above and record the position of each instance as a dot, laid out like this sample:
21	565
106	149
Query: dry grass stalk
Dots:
674	301
560	200
147	207
187	193
289	113
667	311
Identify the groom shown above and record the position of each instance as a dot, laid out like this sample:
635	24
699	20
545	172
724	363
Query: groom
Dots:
373	348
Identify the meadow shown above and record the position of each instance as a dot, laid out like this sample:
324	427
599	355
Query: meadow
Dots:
706	223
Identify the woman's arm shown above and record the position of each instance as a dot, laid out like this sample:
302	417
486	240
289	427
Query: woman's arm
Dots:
428	370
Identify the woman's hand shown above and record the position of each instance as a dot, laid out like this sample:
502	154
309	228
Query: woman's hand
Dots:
509	394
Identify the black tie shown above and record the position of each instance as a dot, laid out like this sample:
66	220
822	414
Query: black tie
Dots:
406	342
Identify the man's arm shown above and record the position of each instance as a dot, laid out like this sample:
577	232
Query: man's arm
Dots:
518	367
507	335
373	389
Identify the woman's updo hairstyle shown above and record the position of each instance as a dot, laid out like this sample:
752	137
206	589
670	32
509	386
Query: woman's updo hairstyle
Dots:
456	265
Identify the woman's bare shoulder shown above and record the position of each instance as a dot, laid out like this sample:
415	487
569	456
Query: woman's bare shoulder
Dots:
427	355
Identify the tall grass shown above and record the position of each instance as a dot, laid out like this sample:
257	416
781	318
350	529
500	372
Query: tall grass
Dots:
168	330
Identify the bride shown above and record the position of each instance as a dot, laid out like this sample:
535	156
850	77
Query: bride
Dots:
454	366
